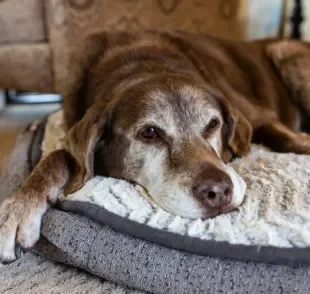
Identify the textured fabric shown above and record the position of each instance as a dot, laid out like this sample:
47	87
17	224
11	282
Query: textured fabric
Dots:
150	267
223	249
275	211
232	19
21	21
223	18
35	274
26	67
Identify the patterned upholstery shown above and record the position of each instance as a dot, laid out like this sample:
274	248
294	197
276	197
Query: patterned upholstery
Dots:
217	17
58	25
26	67
21	21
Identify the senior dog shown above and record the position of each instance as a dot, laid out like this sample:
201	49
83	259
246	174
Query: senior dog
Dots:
167	110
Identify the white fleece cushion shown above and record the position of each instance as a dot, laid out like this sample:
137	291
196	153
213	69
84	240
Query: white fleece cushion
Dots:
276	210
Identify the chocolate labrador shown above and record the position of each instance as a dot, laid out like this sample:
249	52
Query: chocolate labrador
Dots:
167	110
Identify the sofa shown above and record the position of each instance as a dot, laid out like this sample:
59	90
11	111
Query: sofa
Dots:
36	35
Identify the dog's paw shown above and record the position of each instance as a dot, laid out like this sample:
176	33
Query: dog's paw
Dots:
20	222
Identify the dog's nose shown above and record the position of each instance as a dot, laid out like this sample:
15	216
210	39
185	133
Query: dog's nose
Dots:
214	194
213	187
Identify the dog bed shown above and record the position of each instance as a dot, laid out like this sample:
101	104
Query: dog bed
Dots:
138	248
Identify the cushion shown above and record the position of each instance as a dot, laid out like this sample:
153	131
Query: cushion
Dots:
110	249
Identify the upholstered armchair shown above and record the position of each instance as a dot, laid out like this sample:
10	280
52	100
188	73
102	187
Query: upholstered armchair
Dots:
35	35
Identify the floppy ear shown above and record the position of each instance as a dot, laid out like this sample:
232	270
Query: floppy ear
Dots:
292	60
85	129
81	141
237	132
240	135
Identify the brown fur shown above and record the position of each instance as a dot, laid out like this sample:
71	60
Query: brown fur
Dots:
260	88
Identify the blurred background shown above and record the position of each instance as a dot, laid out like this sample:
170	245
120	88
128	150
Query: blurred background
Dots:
36	35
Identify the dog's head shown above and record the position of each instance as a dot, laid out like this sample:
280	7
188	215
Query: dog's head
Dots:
170	133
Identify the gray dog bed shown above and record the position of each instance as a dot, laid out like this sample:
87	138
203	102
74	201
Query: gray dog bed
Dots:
150	259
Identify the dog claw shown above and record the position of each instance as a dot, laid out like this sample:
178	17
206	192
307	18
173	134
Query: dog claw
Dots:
19	251
7	261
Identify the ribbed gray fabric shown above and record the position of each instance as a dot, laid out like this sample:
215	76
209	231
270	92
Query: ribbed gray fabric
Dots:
76	240
150	267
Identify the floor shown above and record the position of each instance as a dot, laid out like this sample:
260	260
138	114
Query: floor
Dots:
13	119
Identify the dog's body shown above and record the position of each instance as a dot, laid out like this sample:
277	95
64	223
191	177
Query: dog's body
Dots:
167	110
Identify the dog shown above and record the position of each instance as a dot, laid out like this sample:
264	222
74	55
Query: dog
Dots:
167	110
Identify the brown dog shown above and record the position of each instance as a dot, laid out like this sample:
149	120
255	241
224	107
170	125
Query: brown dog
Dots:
167	110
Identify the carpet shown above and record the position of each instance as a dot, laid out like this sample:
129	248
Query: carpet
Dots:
35	274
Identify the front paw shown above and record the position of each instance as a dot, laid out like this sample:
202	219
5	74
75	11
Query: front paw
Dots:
20	222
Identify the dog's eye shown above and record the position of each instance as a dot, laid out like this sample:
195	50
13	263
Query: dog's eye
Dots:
212	126
149	133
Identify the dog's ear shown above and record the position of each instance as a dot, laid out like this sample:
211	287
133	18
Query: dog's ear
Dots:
237	134
292	61
81	142
240	133
85	129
